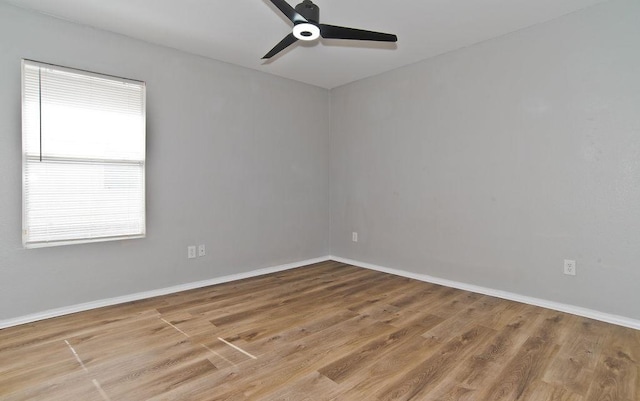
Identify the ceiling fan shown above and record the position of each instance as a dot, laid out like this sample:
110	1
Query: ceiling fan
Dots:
306	26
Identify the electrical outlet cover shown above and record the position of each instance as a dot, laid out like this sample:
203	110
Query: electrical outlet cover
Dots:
191	251
570	267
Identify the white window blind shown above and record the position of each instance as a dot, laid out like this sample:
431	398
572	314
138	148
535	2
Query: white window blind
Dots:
83	141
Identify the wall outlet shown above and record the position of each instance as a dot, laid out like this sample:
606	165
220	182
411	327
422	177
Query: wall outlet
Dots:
354	236
201	250
570	267
191	251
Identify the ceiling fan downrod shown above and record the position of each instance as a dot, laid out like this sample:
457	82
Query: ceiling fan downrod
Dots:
309	10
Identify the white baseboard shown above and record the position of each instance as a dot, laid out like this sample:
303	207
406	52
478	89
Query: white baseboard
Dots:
153	293
574	310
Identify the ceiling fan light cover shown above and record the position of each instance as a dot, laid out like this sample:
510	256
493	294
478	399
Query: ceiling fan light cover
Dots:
306	31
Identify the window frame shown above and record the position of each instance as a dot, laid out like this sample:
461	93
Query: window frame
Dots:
86	160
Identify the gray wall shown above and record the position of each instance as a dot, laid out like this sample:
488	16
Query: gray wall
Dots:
228	165
488	165
491	164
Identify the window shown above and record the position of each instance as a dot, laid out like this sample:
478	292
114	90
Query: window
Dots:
83	162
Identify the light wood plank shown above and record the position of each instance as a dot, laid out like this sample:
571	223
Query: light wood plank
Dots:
328	331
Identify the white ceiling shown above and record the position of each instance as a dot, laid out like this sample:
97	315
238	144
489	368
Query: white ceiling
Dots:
242	31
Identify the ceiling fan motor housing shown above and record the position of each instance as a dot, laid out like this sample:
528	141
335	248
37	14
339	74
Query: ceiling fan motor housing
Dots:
309	10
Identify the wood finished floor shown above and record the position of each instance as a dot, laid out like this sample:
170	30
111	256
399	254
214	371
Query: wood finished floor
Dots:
324	332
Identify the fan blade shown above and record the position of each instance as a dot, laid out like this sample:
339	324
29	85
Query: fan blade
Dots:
289	11
340	32
284	43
